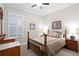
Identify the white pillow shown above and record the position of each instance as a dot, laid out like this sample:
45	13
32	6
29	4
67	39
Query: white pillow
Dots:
59	35
53	34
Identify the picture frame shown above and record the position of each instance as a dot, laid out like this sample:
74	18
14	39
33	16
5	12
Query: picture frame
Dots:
32	26
56	25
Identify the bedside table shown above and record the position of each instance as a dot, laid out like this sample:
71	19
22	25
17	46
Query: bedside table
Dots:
72	44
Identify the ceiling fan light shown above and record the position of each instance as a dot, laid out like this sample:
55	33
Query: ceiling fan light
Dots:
39	4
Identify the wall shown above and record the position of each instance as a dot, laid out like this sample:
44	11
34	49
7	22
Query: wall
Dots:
69	17
28	18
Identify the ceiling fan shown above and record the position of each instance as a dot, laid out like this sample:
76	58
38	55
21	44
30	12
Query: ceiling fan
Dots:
40	5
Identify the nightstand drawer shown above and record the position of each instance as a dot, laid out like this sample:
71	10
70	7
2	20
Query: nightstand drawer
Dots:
71	44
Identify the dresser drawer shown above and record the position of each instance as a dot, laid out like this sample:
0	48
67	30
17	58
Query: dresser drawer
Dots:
15	51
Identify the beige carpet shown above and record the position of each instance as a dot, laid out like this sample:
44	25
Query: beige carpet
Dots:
26	52
67	52
62	52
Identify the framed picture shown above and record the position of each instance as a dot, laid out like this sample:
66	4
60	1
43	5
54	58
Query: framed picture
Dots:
56	25
32	26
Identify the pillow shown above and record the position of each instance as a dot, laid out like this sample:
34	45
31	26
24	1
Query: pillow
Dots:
53	34
56	34
59	35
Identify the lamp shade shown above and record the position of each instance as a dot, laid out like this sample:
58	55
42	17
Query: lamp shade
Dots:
72	31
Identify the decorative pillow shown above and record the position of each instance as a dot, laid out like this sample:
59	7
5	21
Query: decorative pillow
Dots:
56	34
53	34
59	35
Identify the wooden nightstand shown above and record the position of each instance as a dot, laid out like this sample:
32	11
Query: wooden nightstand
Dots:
72	44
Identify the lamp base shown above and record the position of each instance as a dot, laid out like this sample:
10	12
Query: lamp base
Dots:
72	37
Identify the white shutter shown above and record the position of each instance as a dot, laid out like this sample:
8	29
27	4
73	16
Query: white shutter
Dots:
15	25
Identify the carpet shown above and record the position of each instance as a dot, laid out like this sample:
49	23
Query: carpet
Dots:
62	52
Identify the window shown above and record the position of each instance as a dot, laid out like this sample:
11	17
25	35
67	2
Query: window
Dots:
15	25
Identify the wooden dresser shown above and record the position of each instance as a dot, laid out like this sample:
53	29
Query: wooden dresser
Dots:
14	51
72	44
10	49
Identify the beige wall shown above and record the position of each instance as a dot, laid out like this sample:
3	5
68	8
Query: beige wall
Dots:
69	17
28	18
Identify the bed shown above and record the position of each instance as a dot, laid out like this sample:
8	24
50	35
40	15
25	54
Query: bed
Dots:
47	44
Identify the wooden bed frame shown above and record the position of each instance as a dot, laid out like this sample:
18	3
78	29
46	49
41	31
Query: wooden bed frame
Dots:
35	48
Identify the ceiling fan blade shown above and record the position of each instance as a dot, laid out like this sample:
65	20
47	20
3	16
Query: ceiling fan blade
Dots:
34	5
45	3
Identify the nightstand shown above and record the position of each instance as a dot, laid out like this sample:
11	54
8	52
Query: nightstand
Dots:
72	44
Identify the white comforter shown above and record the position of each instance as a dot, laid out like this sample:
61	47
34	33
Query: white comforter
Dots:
54	44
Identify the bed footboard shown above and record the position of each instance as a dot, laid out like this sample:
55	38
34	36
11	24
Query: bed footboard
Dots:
36	49
33	45
28	46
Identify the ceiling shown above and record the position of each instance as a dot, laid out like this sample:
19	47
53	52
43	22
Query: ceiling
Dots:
53	7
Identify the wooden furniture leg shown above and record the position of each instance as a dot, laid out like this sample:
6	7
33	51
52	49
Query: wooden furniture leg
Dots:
28	45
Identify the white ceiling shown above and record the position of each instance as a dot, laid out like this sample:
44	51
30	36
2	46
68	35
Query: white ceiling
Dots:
53	7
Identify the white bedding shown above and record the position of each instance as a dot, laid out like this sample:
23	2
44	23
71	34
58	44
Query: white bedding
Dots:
49	39
54	44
